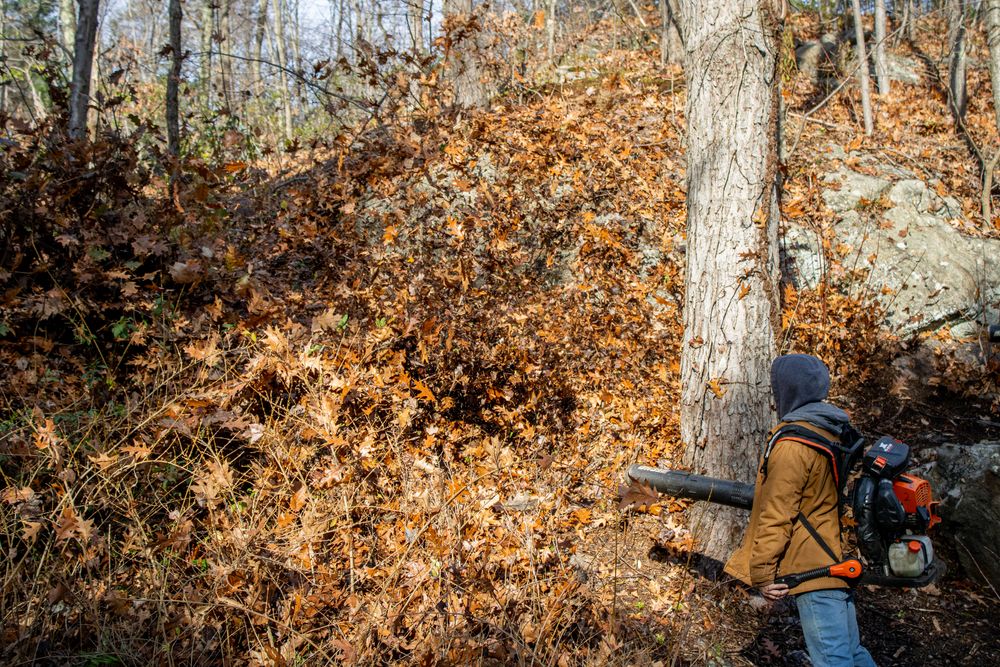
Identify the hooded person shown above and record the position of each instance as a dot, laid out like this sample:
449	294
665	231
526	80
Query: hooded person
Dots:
797	488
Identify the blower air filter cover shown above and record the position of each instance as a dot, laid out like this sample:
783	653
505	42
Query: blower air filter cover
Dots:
887	458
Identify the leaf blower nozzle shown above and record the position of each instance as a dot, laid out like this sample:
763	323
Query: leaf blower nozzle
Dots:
696	487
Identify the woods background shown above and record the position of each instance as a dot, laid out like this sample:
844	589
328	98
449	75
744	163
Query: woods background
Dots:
327	329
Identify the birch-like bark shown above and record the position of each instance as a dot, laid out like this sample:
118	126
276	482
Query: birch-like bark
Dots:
881	64
550	25
866	95
731	274
83	67
175	16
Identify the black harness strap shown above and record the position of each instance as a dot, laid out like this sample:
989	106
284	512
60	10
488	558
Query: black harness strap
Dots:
816	536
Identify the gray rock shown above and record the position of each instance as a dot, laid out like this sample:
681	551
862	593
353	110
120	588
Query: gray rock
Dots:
923	270
816	55
853	187
966	479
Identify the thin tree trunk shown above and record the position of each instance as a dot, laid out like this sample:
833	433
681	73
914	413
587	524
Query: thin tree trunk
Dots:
992	19
992	11
175	16
3	55
297	57
866	96
207	23
83	66
340	29
956	71
416	20
279	44
67	27
226	46
881	65
258	48
731	299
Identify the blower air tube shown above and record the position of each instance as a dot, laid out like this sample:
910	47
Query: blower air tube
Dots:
696	487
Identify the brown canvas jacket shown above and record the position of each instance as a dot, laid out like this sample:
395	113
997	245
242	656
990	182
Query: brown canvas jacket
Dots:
798	479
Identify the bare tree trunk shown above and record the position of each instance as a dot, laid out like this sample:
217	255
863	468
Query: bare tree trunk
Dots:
297	57
83	66
175	14
416	20
258	47
226	46
731	298
463	64
881	66
866	95
993	40
991	17
67	27
956	72
3	59
340	28
671	47
279	45
207	24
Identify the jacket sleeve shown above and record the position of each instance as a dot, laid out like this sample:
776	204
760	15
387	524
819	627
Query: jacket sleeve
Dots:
780	497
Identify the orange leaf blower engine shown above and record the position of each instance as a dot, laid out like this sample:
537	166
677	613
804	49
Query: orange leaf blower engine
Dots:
893	511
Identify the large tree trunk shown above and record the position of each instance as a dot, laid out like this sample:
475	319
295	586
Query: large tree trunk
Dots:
83	67
463	55
731	298
175	15
671	46
956	71
862	53
881	65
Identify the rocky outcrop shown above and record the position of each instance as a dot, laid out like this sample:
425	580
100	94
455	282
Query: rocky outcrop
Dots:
905	235
966	479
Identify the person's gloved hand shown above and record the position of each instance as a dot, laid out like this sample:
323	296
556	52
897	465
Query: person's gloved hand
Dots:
773	592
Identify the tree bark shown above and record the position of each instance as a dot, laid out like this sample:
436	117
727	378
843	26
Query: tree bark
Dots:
956	72
416	20
465	40
881	65
67	26
671	46
83	66
280	52
992	18
175	15
207	23
258	46
866	95
731	298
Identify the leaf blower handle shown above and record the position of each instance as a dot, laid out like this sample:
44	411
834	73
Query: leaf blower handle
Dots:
849	570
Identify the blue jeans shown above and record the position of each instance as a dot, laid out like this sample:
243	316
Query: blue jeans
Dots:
831	629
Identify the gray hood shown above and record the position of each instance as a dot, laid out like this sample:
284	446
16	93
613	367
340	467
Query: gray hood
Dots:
800	383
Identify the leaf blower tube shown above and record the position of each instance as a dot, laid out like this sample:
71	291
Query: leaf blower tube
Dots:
696	487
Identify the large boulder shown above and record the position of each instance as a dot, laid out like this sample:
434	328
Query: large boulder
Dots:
923	269
966	479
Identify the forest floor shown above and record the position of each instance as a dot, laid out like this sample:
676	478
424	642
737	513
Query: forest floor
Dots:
380	410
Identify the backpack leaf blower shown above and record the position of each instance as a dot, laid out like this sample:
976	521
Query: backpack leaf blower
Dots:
893	511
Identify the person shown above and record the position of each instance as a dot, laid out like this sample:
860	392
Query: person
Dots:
797	495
